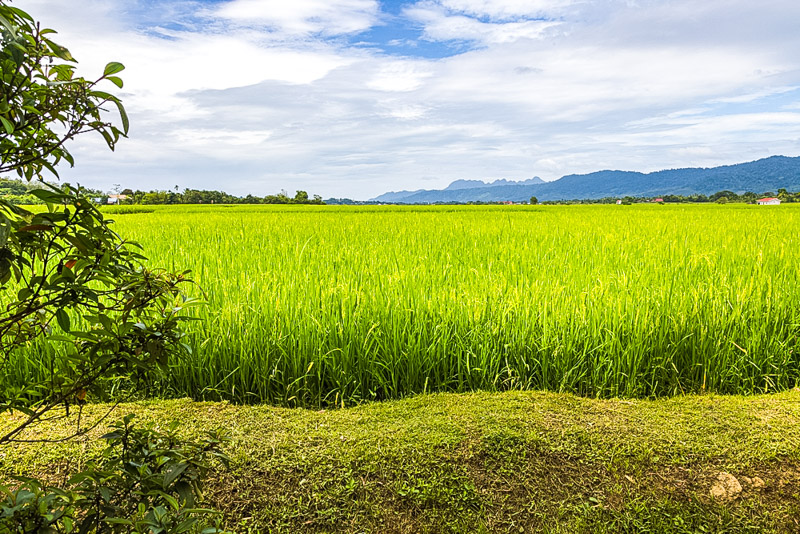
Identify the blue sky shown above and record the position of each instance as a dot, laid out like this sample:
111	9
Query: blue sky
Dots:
358	97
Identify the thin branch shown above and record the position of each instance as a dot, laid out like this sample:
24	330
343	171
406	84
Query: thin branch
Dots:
79	432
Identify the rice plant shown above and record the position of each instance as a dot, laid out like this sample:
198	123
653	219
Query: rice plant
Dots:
323	306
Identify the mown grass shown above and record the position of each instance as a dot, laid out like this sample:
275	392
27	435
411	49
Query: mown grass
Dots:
487	462
320	306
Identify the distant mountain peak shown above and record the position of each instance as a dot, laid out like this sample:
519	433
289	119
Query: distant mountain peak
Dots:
464	184
768	174
471	184
458	185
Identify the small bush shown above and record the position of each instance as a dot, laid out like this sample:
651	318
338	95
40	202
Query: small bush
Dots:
146	481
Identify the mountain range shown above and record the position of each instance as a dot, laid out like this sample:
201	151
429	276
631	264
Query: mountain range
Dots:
768	174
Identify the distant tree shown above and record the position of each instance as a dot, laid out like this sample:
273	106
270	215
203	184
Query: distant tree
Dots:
749	197
729	195
154	197
534	200
301	197
13	187
721	200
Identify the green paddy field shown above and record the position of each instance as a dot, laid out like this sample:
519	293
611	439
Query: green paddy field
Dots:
331	306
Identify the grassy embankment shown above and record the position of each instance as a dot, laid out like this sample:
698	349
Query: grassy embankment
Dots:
501	462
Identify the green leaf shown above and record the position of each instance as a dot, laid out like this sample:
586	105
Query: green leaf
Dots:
59	51
115	80
102	95
184	489
9	128
5	270
21	14
113	68
78	243
48	196
88	523
6	25
24	293
5	230
106	322
172	501
123	115
107	137
173	473
62	317
50	168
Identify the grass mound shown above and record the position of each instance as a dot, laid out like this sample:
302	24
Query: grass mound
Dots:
499	462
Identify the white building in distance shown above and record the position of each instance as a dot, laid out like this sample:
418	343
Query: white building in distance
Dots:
116	199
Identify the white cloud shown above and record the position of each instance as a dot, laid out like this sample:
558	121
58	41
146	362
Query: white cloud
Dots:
456	20
403	76
404	112
581	82
331	17
757	95
693	152
261	99
204	139
440	26
506	9
197	62
722	129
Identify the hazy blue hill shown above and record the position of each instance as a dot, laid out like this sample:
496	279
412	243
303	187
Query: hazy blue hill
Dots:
475	184
465	184
768	174
458	185
396	196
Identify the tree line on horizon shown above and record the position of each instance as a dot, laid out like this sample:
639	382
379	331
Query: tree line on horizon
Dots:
720	197
20	192
202	196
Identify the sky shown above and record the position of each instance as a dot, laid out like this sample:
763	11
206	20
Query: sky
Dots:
353	98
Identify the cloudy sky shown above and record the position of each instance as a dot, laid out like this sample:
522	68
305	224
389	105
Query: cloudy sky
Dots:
357	97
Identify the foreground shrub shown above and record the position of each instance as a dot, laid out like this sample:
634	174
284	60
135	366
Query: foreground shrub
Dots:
145	481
